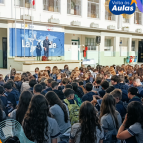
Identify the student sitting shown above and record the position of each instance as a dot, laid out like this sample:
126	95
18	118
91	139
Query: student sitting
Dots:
32	82
107	77
110	119
104	85
59	111
37	125
88	130
137	84
48	82
36	73
97	86
117	94
10	95
110	89
37	89
115	81
19	113
17	81
54	86
1	80
89	95
82	87
132	94
3	98
133	124
43	85
2	113
72	105
65	81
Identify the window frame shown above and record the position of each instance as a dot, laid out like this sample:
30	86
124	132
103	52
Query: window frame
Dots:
91	47
46	3
89	9
69	2
140	13
107	13
126	20
21	6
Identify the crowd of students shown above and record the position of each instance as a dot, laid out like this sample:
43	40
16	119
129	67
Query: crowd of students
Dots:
85	105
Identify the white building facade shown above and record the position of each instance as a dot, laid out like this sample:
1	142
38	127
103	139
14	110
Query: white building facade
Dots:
81	21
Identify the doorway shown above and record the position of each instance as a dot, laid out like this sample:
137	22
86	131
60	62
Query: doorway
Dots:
140	51
74	50
4	45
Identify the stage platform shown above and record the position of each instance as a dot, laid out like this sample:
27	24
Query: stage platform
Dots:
26	64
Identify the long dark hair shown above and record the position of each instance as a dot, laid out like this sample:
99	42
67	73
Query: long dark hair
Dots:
35	122
135	114
54	99
89	122
1	113
75	88
22	107
108	107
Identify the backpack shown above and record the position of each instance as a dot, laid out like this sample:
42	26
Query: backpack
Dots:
73	111
78	99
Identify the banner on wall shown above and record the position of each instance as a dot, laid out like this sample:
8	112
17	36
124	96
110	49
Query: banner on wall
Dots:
56	38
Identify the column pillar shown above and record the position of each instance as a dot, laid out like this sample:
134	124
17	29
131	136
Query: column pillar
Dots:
116	48
129	52
101	49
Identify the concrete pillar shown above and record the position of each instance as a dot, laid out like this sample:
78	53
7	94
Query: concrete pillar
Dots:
63	7
102	9
129	52
116	46
136	47
84	8
101	49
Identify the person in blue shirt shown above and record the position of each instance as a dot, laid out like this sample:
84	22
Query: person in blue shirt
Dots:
49	87
54	86
3	99
36	73
89	95
38	51
11	98
117	94
32	82
117	82
132	94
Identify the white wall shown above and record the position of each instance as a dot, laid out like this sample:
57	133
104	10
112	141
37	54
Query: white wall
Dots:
65	19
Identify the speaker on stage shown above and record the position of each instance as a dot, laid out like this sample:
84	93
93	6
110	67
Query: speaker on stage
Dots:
98	39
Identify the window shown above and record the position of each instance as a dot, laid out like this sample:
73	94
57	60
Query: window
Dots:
93	8
24	3
138	16
90	43
2	1
74	7
107	45
108	14
126	18
133	46
51	5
